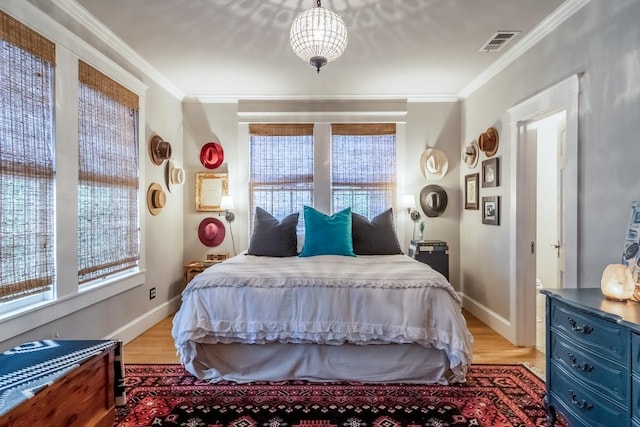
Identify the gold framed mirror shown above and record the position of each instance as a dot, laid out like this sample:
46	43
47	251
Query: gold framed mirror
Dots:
210	187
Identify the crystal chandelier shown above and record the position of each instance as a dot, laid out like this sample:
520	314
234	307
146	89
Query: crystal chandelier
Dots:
318	35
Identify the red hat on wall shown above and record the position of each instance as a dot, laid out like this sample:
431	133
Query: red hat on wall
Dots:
211	155
211	232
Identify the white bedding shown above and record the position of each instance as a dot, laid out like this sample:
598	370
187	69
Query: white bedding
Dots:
376	299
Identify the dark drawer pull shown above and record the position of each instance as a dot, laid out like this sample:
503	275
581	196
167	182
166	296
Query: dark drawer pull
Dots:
586	329
582	405
580	366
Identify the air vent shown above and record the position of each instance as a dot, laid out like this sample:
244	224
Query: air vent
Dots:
498	40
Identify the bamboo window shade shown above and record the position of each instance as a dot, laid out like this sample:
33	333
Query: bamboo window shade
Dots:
108	229
27	66
363	167
281	168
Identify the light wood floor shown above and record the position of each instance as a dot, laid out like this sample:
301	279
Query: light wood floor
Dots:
156	346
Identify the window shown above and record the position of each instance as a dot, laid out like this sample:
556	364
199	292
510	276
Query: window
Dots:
363	167
108	230
281	168
27	64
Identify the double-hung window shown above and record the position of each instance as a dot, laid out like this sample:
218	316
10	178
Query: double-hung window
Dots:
27	65
281	168
363	167
108	229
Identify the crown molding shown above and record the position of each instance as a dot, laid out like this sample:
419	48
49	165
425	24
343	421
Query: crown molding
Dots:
546	26
230	99
97	28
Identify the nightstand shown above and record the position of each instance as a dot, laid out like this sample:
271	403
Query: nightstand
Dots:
193	268
435	253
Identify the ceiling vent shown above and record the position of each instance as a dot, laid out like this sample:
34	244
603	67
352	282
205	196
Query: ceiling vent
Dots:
498	40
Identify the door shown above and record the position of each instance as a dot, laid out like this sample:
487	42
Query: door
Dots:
549	142
550	246
563	96
560	245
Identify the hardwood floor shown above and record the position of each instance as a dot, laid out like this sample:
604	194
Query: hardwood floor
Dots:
156	346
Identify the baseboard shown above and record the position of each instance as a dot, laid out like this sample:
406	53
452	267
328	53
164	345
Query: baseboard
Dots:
490	318
139	325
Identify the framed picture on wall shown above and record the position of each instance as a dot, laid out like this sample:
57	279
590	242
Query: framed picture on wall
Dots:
471	191
210	187
631	251
491	172
491	210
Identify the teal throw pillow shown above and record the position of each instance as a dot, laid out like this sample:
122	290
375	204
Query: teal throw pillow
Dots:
327	235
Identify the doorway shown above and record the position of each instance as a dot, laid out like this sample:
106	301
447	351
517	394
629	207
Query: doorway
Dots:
550	136
563	97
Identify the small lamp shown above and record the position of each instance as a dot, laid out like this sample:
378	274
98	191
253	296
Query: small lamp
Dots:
617	283
409	202
226	204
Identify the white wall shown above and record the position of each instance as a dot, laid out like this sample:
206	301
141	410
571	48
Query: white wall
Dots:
426	125
601	43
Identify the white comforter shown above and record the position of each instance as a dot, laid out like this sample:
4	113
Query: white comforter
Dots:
329	299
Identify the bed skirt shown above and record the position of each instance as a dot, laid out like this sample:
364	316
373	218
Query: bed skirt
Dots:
382	363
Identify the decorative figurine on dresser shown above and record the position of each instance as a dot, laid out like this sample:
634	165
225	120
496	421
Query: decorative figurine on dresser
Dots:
593	358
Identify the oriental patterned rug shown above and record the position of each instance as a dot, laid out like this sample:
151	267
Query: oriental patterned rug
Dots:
494	395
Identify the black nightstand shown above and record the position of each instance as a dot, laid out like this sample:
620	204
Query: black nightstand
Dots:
432	252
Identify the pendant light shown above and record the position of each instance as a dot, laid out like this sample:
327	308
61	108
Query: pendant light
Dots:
318	35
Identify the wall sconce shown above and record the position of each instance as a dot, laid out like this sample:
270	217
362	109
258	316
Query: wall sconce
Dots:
409	202
226	204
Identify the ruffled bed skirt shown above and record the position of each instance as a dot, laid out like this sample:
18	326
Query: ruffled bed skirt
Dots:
383	363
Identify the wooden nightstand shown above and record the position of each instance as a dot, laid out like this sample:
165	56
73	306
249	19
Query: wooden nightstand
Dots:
193	268
435	253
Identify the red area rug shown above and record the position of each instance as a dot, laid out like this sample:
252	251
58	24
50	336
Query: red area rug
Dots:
494	395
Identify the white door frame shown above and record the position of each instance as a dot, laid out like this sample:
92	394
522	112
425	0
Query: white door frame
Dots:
522	303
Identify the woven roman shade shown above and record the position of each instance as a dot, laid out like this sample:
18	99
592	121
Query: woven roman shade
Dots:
281	168
363	167
108	229
26	161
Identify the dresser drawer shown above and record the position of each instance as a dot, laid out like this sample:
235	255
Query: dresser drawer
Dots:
635	398
635	353
583	406
606	338
608	378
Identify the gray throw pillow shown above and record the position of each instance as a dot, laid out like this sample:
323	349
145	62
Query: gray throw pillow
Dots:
273	238
375	237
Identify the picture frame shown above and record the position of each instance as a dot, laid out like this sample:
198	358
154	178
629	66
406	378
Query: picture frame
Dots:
491	210
210	187
491	172
631	249
472	191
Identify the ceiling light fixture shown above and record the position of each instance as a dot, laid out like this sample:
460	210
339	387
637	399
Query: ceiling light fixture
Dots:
318	35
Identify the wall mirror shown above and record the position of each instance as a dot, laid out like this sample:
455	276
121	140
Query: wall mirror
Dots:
210	187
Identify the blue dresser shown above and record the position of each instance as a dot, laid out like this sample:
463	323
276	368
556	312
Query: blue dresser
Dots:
593	359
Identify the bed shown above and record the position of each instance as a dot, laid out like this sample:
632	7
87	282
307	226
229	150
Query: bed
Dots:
365	318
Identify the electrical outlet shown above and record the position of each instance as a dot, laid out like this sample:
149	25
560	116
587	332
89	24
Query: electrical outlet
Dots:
152	293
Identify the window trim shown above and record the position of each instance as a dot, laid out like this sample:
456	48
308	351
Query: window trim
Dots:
70	297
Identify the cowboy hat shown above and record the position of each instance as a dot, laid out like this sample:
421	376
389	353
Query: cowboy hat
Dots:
173	175
433	163
159	150
470	154
211	155
488	141
156	198
211	232
433	200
